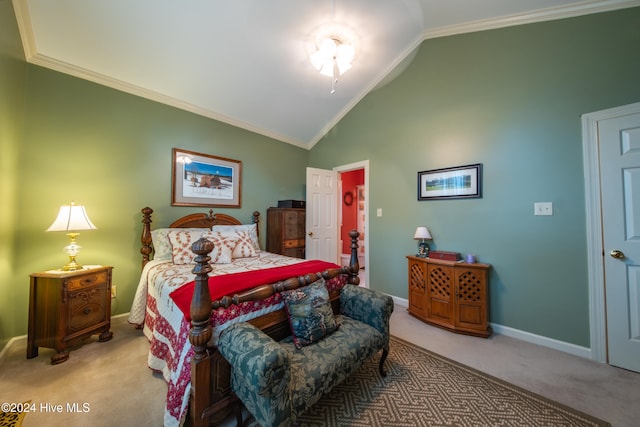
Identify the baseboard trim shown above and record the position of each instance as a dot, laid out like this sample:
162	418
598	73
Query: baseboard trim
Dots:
565	347
9	343
13	340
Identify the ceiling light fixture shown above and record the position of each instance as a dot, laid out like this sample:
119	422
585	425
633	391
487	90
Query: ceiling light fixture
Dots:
333	57
334	49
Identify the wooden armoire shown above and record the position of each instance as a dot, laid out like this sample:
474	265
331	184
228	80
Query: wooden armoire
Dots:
286	231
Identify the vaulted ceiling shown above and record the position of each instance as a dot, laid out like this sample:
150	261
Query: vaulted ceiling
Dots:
246	62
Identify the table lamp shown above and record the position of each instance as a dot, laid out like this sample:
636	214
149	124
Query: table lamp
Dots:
422	234
72	218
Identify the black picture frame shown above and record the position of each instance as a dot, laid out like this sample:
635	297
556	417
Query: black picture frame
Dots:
460	182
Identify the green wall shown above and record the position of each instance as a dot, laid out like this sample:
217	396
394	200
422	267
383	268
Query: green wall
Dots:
111	152
510	99
12	86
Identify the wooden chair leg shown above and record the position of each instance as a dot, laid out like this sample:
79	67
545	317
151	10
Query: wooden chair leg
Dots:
237	411
383	358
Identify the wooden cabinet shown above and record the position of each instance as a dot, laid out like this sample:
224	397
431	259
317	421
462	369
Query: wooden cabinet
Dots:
450	294
286	231
66	307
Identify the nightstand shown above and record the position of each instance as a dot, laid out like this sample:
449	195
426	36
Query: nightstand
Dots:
66	307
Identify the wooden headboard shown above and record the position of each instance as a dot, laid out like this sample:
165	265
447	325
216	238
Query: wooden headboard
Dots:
198	220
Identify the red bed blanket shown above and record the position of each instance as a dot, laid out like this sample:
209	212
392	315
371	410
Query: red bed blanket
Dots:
230	284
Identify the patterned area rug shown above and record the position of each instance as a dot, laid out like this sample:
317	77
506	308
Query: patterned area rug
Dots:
12	419
425	389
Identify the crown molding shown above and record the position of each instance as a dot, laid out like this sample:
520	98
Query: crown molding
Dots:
104	80
548	14
32	56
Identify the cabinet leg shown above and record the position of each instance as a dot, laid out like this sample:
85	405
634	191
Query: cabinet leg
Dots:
105	336
32	350
60	357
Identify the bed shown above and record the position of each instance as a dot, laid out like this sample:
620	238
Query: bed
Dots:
207	272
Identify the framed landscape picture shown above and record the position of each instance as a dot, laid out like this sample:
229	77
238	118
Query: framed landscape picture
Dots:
205	180
461	182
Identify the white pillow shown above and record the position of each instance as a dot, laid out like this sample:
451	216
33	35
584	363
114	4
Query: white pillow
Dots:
162	245
244	248
182	239
252	229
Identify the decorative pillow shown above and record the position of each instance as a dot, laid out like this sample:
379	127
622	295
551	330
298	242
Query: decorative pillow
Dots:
252	229
162	249
309	312
181	241
244	248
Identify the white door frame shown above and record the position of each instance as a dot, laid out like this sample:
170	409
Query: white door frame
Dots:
354	166
595	249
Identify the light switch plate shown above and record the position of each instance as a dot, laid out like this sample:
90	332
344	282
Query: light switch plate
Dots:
543	208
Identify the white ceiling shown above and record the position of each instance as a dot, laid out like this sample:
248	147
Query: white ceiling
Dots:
245	62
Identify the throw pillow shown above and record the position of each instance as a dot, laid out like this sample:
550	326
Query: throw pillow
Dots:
252	229
181	241
162	250
244	248
309	312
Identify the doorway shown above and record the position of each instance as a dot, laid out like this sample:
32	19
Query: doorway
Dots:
353	212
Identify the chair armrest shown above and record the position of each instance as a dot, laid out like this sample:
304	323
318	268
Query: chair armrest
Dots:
367	306
262	362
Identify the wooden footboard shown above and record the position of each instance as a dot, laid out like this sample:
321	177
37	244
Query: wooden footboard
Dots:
211	396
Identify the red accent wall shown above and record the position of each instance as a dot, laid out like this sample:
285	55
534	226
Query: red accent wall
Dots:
350	180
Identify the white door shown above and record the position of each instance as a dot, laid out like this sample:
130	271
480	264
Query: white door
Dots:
619	141
322	215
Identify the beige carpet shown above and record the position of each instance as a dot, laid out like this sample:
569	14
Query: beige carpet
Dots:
113	377
104	384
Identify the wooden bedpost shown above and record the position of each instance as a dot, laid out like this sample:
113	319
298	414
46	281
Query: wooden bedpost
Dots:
200	332
353	262
145	238
256	220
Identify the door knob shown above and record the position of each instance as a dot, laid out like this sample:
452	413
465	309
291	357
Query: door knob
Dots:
616	254
310	234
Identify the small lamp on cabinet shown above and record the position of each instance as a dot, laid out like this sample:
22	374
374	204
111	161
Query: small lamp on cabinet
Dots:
422	234
72	218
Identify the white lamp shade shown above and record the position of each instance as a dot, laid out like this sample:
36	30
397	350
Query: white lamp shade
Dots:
422	233
317	59
327	68
328	48
72	218
345	53
343	66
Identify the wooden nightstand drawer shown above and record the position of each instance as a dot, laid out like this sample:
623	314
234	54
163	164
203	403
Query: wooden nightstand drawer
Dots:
87	308
87	280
